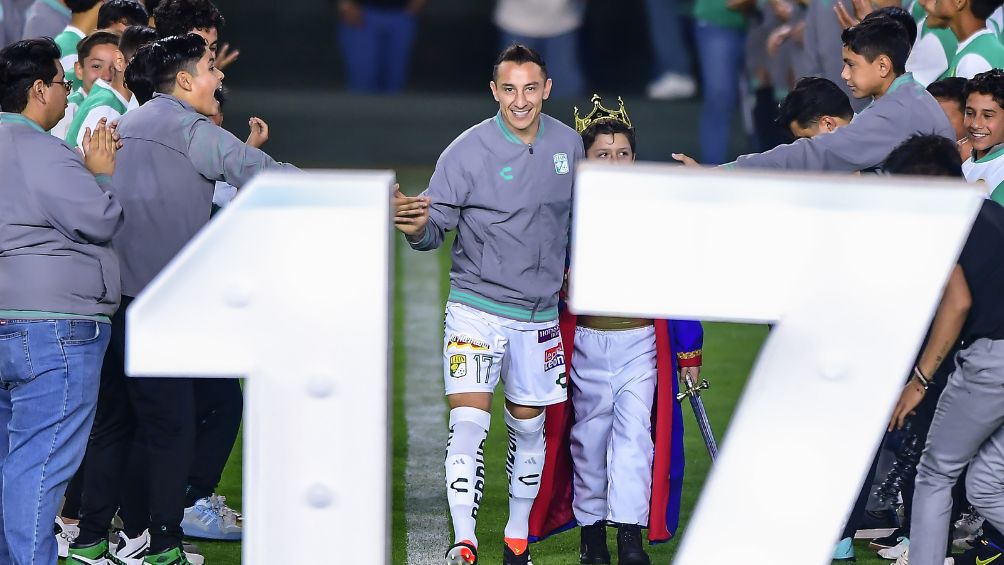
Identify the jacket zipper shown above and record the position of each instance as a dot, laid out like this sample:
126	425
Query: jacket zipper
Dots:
530	146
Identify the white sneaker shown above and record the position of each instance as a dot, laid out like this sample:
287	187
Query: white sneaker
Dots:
966	530
211	518
895	551
904	559
65	535
132	551
672	86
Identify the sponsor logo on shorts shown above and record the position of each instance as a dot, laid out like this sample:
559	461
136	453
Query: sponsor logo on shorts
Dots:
545	335
458	366
554	357
562	380
467	342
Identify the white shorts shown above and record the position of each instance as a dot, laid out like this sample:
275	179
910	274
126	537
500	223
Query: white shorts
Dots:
481	348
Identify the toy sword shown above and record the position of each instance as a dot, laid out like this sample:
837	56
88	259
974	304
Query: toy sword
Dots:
694	392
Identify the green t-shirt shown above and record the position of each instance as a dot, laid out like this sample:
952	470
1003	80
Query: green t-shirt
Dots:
987	171
716	12
102	102
980	53
67	42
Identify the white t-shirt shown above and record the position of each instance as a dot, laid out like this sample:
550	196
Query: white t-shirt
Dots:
539	18
987	171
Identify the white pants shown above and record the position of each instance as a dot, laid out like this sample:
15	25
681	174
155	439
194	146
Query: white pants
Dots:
613	376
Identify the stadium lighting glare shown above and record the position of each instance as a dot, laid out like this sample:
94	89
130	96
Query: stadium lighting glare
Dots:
290	287
850	269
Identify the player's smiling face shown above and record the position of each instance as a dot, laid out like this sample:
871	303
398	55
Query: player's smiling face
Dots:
614	148
520	89
984	121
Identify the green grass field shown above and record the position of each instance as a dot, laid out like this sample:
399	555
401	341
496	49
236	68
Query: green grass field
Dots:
729	352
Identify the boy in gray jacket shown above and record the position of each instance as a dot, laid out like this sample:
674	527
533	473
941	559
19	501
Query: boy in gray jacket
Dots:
875	53
59	285
171	158
505	186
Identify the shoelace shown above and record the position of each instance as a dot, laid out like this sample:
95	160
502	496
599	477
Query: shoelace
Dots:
219	504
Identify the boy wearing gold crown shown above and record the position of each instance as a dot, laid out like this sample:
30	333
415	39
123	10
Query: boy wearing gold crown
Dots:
505	186
622	370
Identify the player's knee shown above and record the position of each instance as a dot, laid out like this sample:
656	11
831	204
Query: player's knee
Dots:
521	412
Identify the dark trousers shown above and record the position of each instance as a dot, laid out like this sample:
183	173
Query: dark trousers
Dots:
140	451
219	405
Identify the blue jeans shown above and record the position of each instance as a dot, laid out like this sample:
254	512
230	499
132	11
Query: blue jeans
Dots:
561	55
668	46
49	375
721	51
378	51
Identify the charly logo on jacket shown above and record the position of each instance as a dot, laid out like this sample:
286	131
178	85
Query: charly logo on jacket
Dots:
561	163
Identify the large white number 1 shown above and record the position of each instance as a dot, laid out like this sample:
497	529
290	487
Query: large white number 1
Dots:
289	287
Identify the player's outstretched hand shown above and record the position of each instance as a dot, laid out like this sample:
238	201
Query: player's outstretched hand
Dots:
686	160
99	149
259	133
411	213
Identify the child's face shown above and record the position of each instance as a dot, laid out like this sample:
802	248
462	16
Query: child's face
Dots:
984	121
614	149
97	65
939	12
956	116
864	79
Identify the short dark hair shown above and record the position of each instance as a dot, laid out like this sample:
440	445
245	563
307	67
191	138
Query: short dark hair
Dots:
878	36
929	155
990	82
519	54
811	99
951	88
93	40
178	17
135	37
155	66
23	63
78	6
983	9
607	127
130	11
900	16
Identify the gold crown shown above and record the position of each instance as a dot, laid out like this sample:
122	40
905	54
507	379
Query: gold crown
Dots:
601	114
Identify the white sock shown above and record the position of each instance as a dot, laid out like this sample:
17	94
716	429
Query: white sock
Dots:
465	469
525	464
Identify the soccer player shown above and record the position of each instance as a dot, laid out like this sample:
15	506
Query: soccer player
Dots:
505	185
951	95
621	369
874	54
178	17
45	18
968	423
172	155
814	106
83	22
96	55
117	15
107	100
985	122
979	49
58	290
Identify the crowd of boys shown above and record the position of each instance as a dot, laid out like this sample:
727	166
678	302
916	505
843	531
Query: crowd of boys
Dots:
112	157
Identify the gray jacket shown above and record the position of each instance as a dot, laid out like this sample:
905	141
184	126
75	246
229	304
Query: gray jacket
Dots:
45	18
511	204
905	109
12	14
56	223
166	172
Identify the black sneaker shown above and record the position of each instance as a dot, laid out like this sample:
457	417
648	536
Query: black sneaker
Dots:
593	547
462	553
629	546
982	553
510	558
891	540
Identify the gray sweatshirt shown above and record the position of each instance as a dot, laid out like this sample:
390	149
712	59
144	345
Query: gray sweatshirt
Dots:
56	223
166	172
905	109
45	18
12	14
510	204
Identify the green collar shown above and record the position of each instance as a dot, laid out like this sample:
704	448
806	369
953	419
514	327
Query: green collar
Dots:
900	81
994	153
11	118
55	5
509	135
